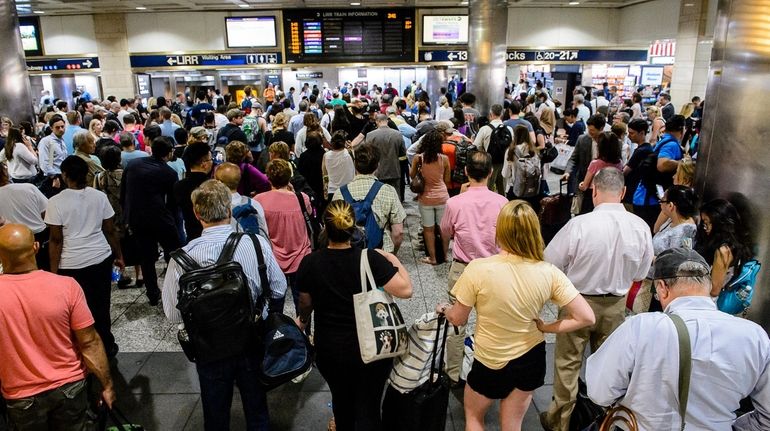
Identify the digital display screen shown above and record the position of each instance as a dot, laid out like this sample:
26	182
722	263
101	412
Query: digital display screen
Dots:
29	27
335	36
250	31
444	29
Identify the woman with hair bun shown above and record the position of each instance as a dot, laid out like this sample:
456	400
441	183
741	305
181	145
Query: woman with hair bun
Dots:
327	279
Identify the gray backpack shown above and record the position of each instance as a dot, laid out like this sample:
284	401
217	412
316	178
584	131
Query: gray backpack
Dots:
526	180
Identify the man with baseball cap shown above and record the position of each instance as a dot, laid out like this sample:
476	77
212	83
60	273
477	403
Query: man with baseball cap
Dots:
639	365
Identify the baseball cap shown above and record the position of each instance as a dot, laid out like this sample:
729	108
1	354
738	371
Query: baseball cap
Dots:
445	126
668	264
198	132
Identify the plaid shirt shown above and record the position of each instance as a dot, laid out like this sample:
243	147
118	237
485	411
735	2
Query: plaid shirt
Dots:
386	206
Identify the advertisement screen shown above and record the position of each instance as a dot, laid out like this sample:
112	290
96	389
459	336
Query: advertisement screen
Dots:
29	27
250	32
445	29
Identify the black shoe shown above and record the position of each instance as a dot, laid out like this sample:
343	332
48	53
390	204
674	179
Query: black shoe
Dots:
140	283
153	298
125	282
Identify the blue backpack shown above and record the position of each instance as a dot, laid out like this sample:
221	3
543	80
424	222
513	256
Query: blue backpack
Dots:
736	297
364	214
245	217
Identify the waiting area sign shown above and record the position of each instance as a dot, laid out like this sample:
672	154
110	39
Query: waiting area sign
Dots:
213	59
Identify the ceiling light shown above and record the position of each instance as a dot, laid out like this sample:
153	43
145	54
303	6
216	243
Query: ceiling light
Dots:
463	3
39	12
244	6
141	8
574	3
355	3
689	4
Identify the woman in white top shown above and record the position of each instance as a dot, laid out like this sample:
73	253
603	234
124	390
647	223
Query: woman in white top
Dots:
20	156
311	124
84	243
657	123
444	111
521	146
337	166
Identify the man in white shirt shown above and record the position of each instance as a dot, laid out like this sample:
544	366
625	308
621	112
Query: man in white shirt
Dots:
603	253
583	112
23	203
638	363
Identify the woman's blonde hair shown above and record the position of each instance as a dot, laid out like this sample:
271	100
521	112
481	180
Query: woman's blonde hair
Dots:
685	172
236	152
548	120
280	149
687	110
280	121
340	221
93	124
518	231
652	109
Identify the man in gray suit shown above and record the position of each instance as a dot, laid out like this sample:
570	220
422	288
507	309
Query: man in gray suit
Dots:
391	146
585	151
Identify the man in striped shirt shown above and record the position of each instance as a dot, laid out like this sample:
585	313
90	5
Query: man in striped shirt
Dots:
211	204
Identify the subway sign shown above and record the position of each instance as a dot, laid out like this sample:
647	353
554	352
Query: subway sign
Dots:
62	64
549	55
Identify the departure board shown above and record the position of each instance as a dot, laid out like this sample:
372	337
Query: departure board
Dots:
340	36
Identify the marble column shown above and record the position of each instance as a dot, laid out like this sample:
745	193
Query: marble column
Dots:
488	25
114	62
694	41
15	91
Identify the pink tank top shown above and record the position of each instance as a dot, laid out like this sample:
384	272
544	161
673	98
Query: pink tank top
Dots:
435	188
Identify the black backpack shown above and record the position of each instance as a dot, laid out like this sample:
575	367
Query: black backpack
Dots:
499	141
410	120
463	153
651	177
216	304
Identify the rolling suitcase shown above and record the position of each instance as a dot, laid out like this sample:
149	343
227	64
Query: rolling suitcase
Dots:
424	408
554	212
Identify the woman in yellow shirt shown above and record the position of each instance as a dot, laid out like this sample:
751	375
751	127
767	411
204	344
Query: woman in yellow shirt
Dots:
508	291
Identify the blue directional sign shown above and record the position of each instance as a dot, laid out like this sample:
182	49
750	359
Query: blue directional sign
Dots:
65	64
188	60
548	55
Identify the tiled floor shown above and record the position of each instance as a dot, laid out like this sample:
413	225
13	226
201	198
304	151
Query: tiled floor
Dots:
158	387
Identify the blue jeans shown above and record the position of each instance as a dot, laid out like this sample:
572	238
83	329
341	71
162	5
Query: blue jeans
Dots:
216	380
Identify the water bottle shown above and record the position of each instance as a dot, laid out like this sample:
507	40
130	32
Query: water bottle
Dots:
115	275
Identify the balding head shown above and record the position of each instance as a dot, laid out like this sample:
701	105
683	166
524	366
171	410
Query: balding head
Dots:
17	249
229	174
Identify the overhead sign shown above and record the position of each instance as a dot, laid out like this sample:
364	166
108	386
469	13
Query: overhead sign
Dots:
166	61
143	84
549	56
78	63
310	75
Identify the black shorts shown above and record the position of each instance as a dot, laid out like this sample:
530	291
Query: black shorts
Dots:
525	373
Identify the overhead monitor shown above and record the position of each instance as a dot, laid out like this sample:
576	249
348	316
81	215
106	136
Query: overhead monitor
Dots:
31	41
444	29
250	31
349	35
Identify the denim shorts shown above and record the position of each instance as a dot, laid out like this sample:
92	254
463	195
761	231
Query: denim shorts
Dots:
431	214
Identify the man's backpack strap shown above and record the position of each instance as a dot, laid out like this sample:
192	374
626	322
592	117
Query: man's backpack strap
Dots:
264	284
685	363
369	199
308	222
187	263
228	251
345	192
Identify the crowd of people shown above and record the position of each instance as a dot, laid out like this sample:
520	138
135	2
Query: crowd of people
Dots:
321	179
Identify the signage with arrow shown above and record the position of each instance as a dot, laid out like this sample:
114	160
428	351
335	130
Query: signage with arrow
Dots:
215	60
65	64
549	56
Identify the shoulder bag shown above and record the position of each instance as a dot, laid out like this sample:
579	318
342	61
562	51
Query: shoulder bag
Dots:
380	326
417	185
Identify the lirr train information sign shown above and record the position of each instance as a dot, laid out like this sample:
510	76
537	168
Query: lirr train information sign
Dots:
218	59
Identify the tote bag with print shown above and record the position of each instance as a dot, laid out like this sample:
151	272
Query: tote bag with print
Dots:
382	332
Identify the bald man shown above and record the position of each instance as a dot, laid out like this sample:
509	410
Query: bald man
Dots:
230	175
48	345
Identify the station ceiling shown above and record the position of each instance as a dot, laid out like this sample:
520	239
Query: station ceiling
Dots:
78	7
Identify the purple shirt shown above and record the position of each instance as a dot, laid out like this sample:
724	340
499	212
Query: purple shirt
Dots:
252	180
470	218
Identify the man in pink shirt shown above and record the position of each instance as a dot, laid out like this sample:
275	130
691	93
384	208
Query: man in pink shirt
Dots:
470	219
49	343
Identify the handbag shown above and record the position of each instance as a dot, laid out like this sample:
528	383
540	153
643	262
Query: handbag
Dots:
380	326
284	351
424	408
417	185
118	419
736	296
